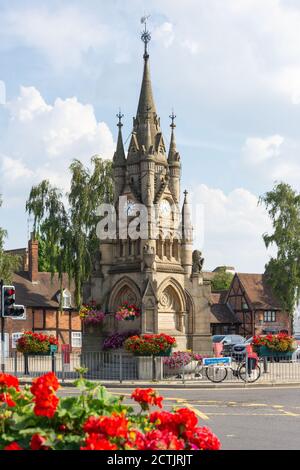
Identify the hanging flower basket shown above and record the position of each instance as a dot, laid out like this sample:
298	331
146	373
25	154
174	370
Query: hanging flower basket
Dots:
150	345
128	312
36	344
91	315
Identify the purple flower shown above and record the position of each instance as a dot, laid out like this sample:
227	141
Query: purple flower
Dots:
116	340
181	358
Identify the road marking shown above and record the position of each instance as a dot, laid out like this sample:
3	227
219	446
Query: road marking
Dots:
289	413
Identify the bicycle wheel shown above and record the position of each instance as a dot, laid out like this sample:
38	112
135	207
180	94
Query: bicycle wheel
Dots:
216	374
249	376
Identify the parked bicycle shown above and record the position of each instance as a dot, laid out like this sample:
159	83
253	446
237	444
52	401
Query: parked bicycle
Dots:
218	370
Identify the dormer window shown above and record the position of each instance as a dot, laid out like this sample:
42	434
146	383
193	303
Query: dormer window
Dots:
66	300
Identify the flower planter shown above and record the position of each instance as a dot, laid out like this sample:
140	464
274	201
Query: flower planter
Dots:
37	354
187	369
161	354
263	351
166	353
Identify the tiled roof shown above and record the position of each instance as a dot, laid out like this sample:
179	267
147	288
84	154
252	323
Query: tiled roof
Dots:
42	293
258	291
220	311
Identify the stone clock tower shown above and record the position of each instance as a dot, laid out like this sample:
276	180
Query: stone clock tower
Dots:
158	270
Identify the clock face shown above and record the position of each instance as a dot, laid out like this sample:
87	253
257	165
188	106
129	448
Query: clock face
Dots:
164	208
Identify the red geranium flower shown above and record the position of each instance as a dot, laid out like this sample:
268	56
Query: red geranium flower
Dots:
203	439
114	425
7	398
13	446
45	399
37	442
98	442
7	381
163	440
146	397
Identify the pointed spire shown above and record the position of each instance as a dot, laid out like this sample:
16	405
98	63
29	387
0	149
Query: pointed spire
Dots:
146	100
187	227
119	156
173	154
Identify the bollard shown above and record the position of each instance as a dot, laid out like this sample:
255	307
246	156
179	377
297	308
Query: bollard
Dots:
153	368
265	362
53	361
62	367
121	368
26	367
16	363
246	366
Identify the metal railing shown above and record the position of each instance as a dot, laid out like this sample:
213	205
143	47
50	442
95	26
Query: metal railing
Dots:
121	367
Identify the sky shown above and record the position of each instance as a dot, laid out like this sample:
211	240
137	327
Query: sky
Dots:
229	68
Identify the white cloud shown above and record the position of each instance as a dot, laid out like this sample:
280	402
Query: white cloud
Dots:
41	139
287	81
259	150
164	34
272	159
12	170
191	45
63	34
233	225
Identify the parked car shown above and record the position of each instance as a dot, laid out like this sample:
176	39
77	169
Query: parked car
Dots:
297	338
239	349
228	341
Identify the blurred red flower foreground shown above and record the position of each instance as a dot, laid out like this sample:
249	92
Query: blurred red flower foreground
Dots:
34	418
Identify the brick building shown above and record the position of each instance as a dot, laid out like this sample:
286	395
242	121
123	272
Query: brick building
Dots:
223	320
249	307
40	295
255	306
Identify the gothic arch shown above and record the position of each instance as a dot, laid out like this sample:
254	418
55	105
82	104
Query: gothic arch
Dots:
177	289
124	289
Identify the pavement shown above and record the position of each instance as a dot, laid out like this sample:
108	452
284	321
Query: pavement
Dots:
176	384
257	418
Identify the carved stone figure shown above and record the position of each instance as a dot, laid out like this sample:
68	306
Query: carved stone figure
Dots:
198	262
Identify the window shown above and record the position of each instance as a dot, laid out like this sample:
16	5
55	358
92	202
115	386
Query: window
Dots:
269	316
76	340
14	339
67	299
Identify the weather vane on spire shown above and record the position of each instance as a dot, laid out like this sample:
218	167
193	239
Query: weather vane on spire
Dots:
172	117
146	36
120	116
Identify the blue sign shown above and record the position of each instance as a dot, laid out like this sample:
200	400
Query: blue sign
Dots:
216	361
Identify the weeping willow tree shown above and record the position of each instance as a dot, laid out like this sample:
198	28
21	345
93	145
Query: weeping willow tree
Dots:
68	229
8	263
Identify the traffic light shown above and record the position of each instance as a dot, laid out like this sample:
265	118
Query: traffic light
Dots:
8	306
17	311
8	299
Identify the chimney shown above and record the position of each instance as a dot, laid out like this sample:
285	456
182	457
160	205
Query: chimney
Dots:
33	255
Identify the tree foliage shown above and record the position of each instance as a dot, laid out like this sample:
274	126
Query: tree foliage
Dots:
66	224
8	263
222	280
283	271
